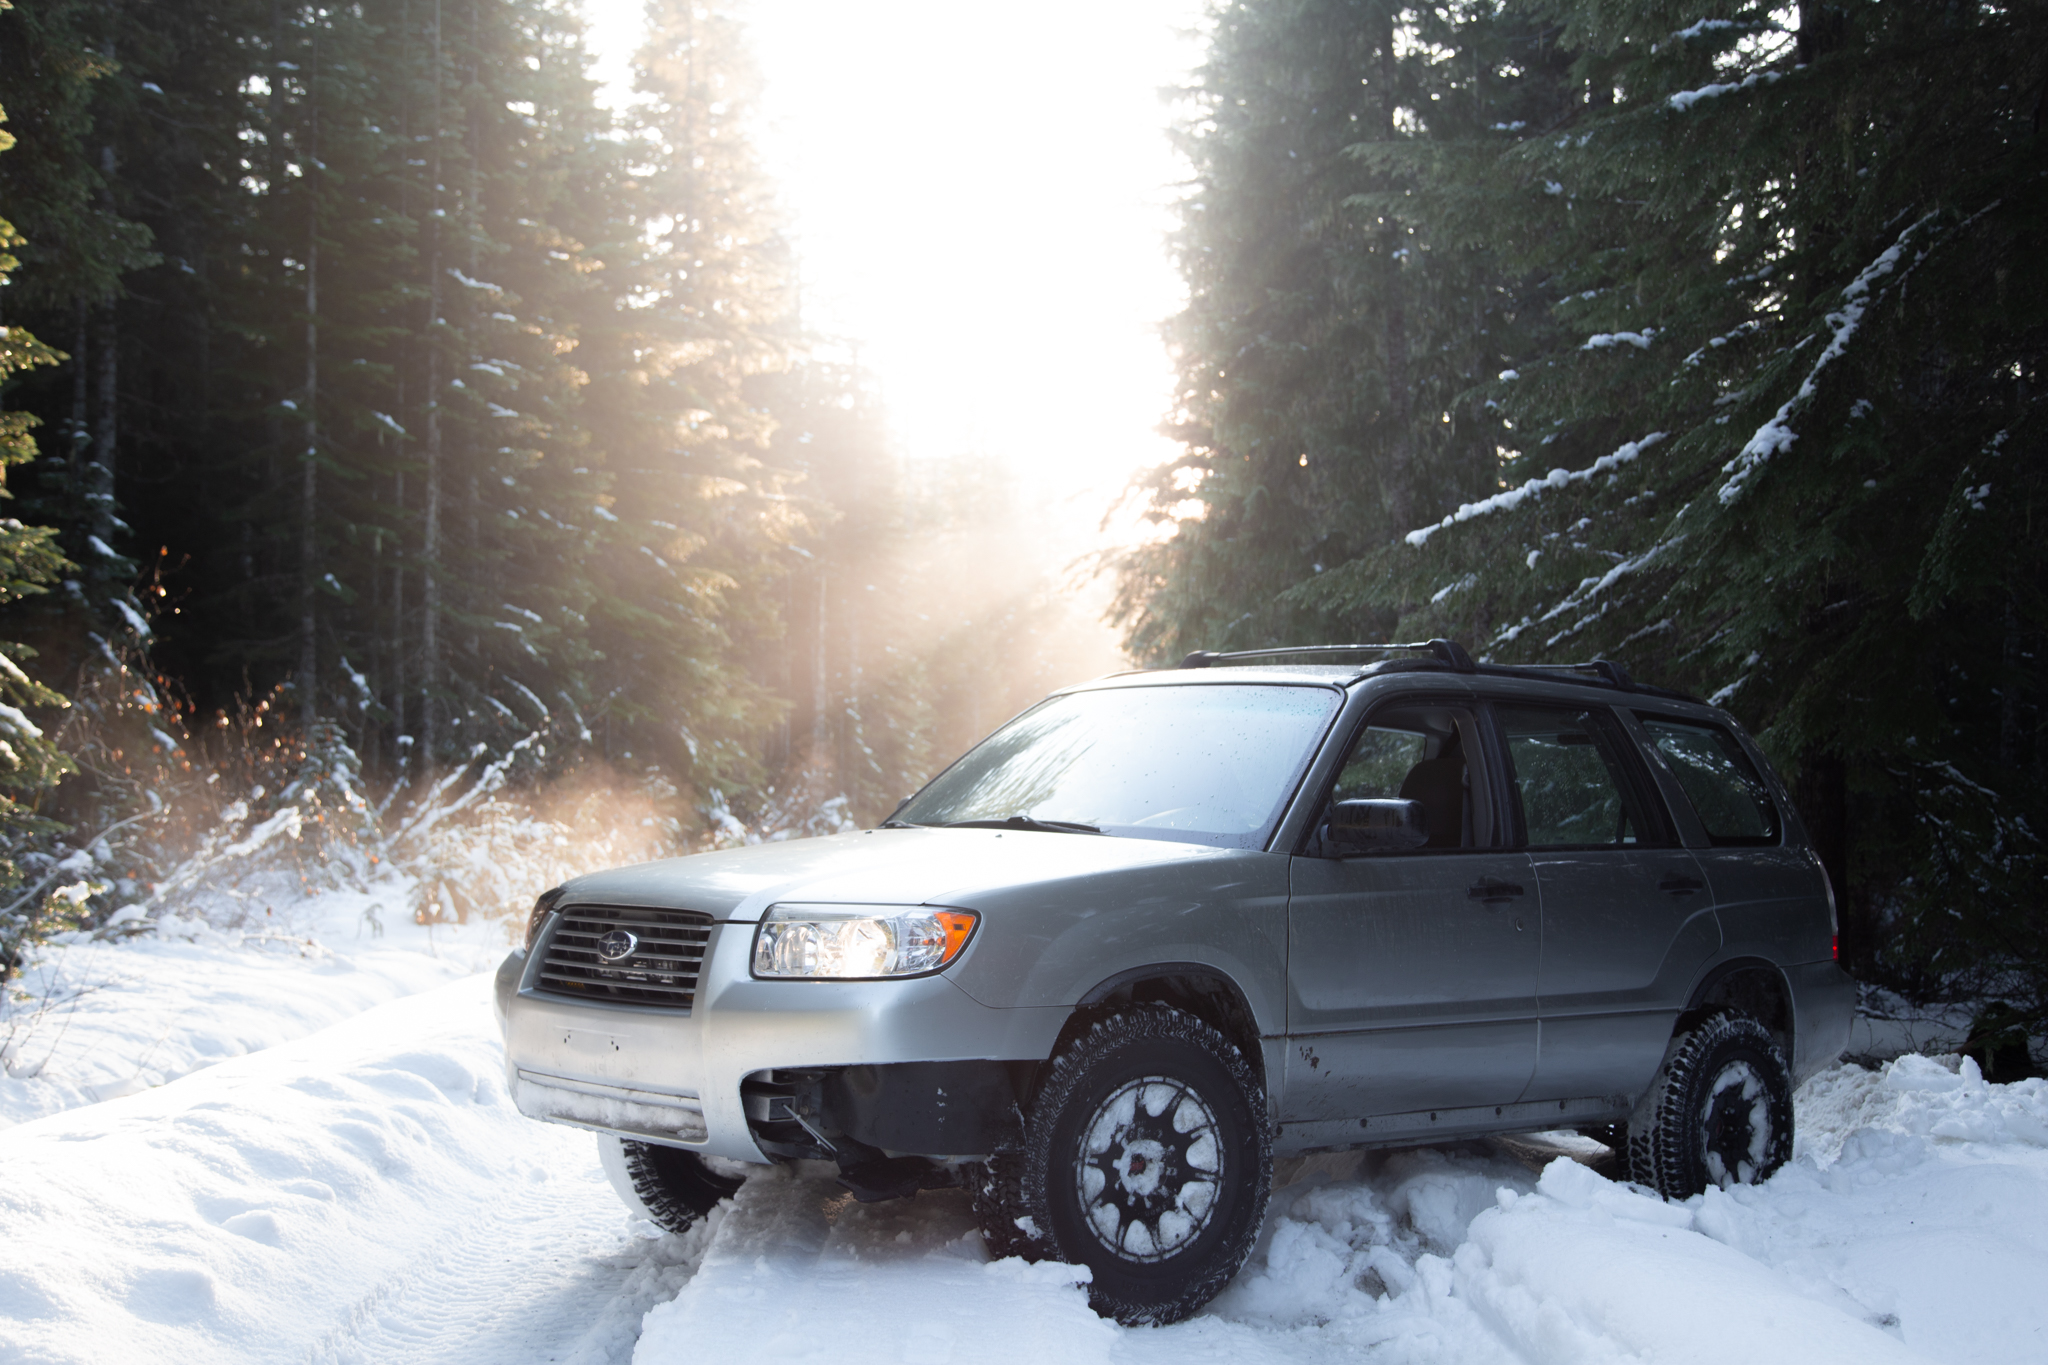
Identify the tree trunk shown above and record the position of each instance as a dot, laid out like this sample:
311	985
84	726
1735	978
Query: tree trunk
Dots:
81	396
99	484
309	466
430	537
1399	478
400	688
821	686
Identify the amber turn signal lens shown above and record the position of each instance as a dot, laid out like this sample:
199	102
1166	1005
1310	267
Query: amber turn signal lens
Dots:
958	924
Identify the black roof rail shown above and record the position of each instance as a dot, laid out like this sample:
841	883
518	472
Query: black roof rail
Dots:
1605	669
1448	652
1452	655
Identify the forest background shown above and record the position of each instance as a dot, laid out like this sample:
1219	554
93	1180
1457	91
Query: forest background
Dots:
389	420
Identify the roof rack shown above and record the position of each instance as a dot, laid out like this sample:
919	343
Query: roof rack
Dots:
1453	656
1448	652
1599	668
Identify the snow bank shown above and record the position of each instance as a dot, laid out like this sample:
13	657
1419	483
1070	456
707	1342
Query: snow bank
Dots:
94	1019
798	1272
349	1196
370	1194
1912	1226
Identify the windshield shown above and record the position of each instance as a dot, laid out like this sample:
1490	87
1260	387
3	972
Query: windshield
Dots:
1208	764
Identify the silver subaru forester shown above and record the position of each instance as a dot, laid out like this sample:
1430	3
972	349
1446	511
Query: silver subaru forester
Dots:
1165	927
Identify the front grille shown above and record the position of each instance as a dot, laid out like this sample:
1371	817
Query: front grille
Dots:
661	970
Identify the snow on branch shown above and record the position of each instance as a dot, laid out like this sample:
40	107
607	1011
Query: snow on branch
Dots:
493	290
1704	26
1557	478
1686	99
1775	436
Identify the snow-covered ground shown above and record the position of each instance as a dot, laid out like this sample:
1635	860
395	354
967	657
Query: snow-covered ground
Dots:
366	1192
94	1019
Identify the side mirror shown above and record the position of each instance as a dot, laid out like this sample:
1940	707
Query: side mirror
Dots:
1377	826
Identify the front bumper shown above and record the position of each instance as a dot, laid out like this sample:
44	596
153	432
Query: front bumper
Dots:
673	1077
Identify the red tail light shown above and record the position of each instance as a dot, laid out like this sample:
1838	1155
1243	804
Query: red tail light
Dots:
1835	946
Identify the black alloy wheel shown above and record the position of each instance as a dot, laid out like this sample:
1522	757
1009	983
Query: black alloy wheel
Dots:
1719	1112
1146	1158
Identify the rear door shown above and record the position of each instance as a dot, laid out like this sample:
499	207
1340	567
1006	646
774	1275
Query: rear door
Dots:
1770	897
1628	918
1412	975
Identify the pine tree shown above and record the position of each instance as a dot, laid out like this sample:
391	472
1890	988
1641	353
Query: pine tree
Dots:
1785	440
1344	307
29	563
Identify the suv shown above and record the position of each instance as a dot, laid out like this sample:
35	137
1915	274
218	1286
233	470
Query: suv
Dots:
1165	927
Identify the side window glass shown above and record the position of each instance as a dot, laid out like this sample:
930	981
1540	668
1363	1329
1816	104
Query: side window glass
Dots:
1420	753
1378	763
1723	786
1569	774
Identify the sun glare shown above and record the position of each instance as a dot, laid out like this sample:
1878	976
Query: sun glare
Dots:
980	196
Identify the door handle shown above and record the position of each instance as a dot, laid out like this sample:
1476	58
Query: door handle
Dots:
1681	886
1493	891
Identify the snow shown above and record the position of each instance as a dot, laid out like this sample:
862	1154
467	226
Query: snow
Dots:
1557	478
1686	99
1694	30
133	617
1776	436
1601	341
467	282
303	1149
94	1019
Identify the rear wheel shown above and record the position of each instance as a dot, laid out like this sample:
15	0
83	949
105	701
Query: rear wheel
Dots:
1719	1112
1146	1158
672	1187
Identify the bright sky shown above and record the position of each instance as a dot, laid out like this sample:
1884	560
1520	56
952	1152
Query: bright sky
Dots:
980	197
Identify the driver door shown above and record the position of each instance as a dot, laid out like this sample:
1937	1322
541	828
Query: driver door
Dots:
1412	975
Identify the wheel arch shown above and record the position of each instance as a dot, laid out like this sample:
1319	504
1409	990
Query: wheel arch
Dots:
1752	986
1197	988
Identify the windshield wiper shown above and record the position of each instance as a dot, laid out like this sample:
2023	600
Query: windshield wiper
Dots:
901	824
1027	822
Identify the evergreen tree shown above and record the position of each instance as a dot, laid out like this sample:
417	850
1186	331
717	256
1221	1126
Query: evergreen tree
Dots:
1341	316
1766	412
29	562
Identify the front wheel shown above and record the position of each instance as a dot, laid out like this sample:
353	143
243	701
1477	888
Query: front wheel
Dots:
1146	1158
1719	1112
671	1187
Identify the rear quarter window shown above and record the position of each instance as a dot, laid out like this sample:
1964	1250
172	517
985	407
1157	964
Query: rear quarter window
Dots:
1726	792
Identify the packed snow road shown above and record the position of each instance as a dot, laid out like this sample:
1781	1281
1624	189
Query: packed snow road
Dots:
369	1194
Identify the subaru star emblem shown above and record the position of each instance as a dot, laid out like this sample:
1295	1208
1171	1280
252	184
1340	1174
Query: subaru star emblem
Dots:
617	946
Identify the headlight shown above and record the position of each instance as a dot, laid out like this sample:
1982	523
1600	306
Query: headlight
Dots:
539	914
855	942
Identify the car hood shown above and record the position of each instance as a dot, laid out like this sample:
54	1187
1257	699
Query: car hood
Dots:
872	867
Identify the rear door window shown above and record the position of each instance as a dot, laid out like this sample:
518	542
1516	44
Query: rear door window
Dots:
1575	785
1720	781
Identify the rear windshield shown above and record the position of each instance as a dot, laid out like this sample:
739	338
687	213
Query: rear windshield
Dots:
1208	763
1730	799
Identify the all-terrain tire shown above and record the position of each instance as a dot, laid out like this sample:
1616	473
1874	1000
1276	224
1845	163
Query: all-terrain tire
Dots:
1718	1113
1147	1158
672	1187
997	1189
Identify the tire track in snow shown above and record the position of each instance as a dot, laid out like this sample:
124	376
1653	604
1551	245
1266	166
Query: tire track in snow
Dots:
555	1273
